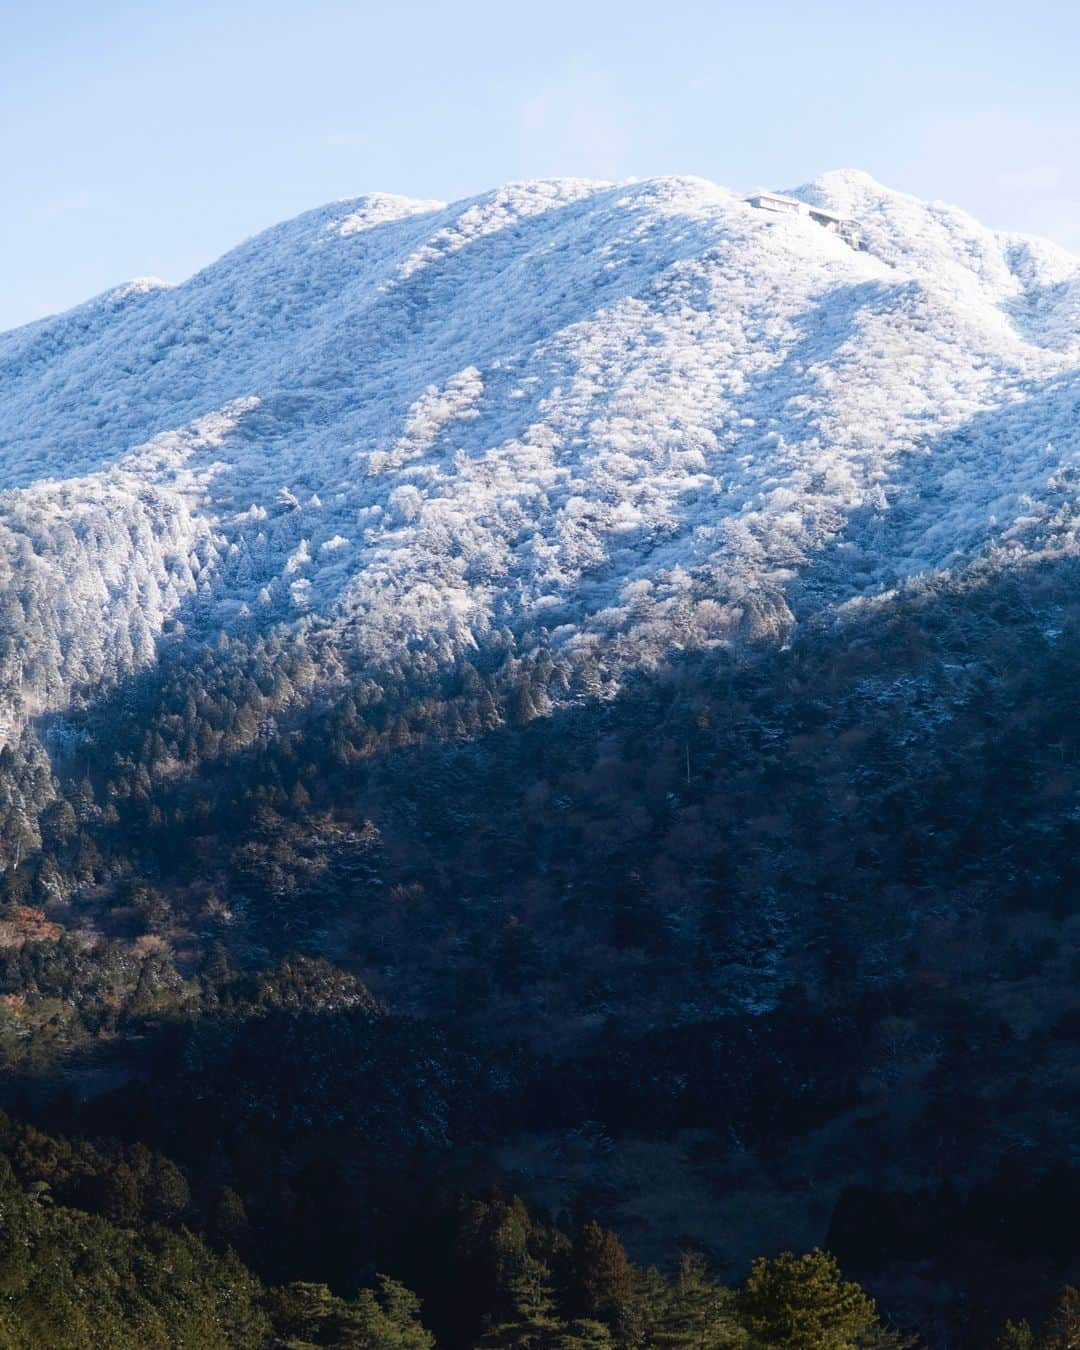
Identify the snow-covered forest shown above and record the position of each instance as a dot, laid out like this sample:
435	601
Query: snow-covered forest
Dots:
611	420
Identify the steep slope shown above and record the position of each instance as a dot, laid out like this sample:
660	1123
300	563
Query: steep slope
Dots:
611	418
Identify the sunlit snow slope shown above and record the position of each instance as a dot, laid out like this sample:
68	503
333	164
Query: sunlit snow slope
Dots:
628	416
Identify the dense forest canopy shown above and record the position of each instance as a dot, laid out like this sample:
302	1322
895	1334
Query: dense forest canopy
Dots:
416	1009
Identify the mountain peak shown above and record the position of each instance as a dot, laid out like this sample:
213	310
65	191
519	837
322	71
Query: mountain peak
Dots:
601	417
379	208
842	190
139	286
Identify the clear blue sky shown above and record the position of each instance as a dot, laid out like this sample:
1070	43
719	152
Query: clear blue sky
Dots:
147	138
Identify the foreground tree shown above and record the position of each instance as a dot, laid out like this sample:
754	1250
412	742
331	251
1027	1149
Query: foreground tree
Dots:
385	1318
689	1311
804	1303
1017	1336
605	1278
1062	1328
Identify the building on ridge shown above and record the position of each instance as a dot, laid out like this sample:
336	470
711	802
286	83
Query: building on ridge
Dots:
843	226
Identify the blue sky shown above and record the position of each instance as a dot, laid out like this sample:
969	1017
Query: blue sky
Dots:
146	139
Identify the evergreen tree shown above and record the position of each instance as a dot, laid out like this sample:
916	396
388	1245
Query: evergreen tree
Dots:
124	1201
586	1334
166	1195
803	1303
229	1220
604	1280
689	1312
1061	1330
533	1322
385	1318
1016	1336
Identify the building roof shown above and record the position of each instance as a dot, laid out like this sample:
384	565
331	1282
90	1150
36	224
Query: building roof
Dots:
802	206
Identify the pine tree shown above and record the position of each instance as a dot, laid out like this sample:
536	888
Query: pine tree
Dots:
123	1201
1062	1328
229	1220
216	970
1016	1336
384	1318
534	1324
604	1278
803	1303
166	1194
690	1312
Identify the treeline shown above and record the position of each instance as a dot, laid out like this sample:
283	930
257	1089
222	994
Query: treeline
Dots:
95	1249
72	1279
314	1133
65	999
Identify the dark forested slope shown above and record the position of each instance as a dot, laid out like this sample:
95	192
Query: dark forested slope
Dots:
770	950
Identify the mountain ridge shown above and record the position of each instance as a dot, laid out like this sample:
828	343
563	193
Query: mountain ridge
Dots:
611	419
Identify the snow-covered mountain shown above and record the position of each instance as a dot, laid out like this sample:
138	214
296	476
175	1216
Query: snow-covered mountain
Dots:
611	417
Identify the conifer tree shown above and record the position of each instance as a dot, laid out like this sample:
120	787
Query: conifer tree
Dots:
1016	1336
1062	1328
534	1324
803	1303
690	1312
